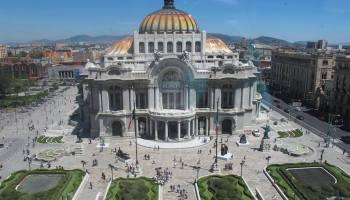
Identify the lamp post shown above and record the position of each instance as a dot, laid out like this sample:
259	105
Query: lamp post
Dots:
112	167
138	169
215	167
29	159
268	158
242	164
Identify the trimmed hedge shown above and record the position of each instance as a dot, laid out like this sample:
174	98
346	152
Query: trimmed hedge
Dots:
133	189
294	189
44	139
65	188
223	187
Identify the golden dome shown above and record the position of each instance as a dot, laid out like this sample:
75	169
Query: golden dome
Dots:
168	20
122	47
216	46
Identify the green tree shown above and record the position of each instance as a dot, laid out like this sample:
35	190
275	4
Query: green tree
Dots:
5	86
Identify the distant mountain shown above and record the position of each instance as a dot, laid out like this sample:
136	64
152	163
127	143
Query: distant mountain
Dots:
272	41
91	39
102	39
229	39
260	40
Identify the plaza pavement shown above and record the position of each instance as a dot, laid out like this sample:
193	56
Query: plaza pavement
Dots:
255	161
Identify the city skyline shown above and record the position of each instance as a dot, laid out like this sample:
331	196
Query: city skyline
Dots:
290	20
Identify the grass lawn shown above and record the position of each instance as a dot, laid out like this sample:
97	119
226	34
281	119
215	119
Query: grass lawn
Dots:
310	185
223	188
293	134
133	189
65	188
14	101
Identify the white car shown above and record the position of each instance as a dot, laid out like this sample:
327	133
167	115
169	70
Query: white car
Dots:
256	133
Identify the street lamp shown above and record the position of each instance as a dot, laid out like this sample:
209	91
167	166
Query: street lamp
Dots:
242	164
112	167
138	169
215	166
29	159
268	158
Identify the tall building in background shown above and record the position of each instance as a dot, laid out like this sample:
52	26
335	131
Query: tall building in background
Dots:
322	44
175	76
301	76
340	103
3	51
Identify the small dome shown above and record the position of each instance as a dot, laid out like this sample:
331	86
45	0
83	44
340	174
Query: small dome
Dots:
122	47
168	20
216	46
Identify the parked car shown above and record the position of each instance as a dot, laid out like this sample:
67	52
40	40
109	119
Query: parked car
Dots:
297	109
300	117
276	101
283	120
256	133
275	123
286	110
279	106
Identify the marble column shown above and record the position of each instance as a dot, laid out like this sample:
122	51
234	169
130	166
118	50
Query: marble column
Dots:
150	98
178	130
155	130
131	99
186	97
101	100
238	98
193	127
137	127
206	125
166	130
189	129
196	131
105	97
151	128
126	99
147	126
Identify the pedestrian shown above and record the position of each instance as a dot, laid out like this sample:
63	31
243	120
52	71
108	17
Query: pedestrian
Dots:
90	185
158	147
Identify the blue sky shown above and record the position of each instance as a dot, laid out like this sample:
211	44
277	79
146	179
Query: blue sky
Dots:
293	20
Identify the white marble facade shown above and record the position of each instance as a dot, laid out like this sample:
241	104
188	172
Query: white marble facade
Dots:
176	92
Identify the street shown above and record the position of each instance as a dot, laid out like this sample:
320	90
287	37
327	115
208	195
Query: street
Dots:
310	122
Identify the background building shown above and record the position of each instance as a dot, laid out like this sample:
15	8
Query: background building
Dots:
3	51
301	76
68	72
340	103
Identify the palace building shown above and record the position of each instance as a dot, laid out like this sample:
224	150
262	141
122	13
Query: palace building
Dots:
176	77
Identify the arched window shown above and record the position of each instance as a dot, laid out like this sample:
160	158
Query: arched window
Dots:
160	46
198	46
172	91
189	46
115	98
151	47
142	47
170	47
178	47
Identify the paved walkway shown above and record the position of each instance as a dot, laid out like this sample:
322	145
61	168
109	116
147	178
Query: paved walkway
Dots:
197	141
